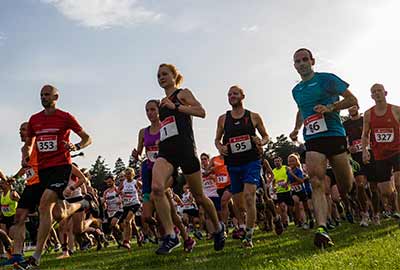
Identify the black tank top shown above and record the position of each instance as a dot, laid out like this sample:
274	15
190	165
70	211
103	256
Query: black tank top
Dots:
176	127
237	136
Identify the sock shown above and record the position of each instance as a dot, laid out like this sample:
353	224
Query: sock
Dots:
37	256
242	226
249	232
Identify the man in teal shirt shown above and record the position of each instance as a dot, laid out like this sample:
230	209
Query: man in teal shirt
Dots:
318	101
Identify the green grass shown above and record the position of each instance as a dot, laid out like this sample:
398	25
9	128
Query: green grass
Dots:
375	247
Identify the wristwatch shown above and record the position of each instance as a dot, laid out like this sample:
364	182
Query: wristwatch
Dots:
177	104
331	107
77	146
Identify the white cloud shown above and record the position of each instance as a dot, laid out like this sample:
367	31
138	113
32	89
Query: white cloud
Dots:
251	29
105	13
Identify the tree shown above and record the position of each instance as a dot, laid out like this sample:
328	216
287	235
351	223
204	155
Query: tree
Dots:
119	166
99	171
281	148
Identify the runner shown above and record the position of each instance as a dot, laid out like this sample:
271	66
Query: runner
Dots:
218	168
242	150
177	149
317	98
365	175
282	188
296	181
51	129
209	187
149	139
131	204
382	123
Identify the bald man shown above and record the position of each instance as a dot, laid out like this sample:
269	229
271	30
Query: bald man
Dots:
382	124
49	130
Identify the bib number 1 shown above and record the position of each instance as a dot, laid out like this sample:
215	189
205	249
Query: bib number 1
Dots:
168	128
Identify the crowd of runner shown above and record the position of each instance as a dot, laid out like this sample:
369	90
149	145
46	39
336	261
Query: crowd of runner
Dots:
347	172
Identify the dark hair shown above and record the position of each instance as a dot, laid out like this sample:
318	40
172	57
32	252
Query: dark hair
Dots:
109	176
307	50
155	101
205	154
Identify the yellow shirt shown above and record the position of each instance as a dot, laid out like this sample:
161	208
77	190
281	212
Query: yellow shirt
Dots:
8	206
281	179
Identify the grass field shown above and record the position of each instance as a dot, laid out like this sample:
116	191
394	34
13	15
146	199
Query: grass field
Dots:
375	247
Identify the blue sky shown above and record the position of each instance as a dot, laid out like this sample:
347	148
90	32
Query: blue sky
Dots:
103	56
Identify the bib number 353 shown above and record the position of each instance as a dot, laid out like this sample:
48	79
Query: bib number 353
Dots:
47	143
315	124
168	128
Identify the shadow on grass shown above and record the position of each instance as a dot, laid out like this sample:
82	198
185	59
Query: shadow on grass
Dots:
294	244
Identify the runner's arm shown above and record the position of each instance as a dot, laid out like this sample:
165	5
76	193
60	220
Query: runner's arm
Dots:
223	149
2	176
86	140
14	196
297	125
139	150
190	104
365	137
26	150
259	124
348	100
396	112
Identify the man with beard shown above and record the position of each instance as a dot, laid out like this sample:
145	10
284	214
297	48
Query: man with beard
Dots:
353	127
242	149
382	123
49	130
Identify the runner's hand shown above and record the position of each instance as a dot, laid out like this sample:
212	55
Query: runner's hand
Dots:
293	135
166	102
321	109
352	149
25	162
135	154
223	150
69	146
366	157
67	192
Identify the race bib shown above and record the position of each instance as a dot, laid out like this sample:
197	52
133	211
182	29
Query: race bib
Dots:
315	124
358	145
297	188
152	153
47	143
5	208
29	173
240	144
168	128
384	135
222	179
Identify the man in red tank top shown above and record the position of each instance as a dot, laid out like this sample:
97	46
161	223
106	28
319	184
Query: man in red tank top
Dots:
382	125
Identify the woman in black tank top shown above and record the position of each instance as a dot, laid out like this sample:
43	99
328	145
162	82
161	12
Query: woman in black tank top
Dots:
177	149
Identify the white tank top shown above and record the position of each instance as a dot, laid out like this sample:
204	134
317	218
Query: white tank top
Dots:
187	203
113	201
129	193
209	187
77	192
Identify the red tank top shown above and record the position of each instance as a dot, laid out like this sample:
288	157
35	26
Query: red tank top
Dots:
385	134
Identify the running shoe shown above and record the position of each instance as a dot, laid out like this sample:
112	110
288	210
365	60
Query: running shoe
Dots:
189	244
198	234
168	244
247	243
278	225
219	238
364	220
30	263
16	258
238	234
349	217
322	239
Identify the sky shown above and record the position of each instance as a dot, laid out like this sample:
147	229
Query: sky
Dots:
103	56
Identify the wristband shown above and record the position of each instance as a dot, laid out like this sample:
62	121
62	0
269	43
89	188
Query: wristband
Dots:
78	146
177	104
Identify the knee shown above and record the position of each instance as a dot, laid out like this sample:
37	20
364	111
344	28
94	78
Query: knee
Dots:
200	199
317	184
158	189
250	197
